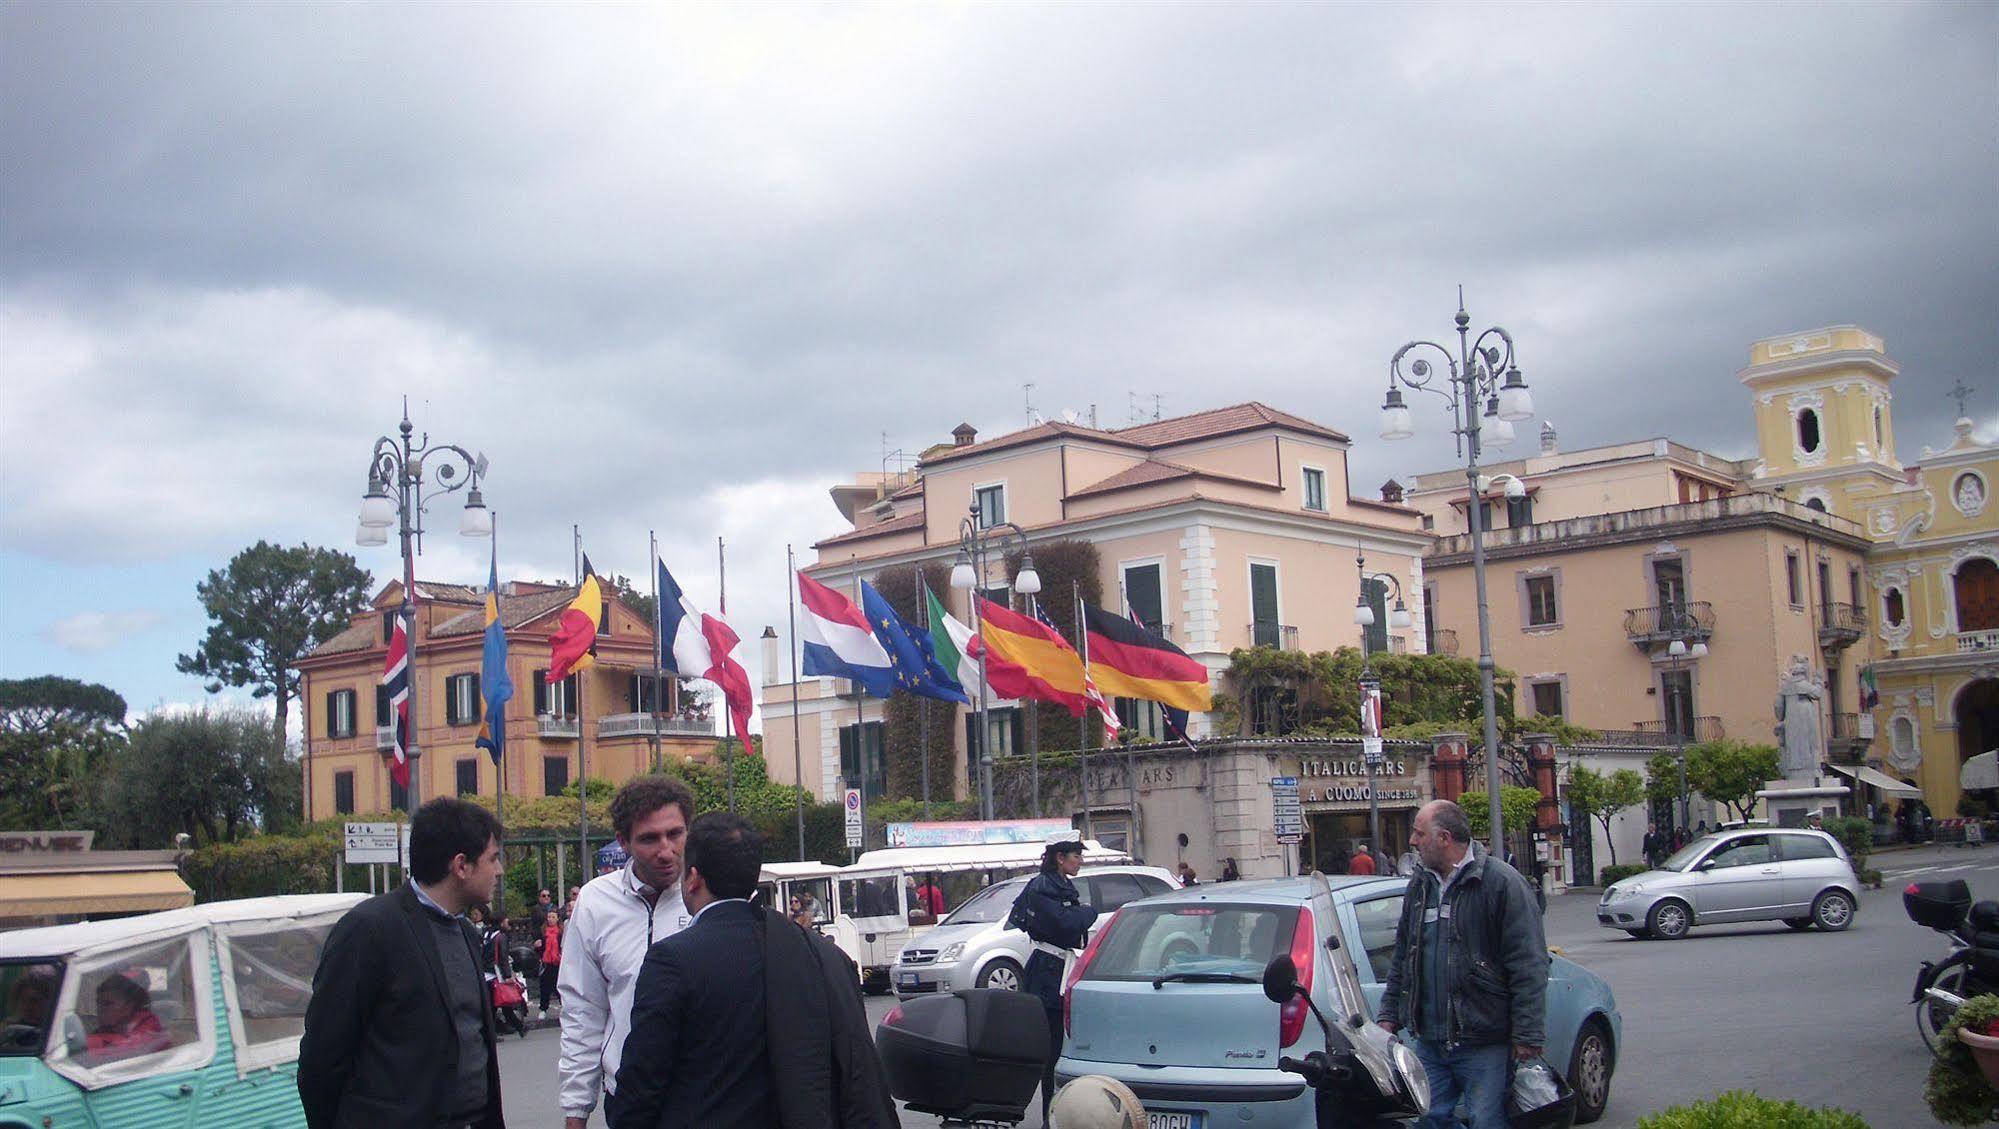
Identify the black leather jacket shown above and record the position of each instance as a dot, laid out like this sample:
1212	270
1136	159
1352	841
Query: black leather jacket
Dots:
1496	958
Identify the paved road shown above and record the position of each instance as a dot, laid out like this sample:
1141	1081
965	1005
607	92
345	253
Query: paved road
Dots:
1821	1018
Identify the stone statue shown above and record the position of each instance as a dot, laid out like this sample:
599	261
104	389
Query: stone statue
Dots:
1798	732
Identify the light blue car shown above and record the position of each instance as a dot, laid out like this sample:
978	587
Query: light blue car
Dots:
1169	999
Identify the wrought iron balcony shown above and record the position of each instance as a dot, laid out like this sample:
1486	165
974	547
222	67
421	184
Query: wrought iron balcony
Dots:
612	726
1657	734
1657	626
1443	641
1852	733
1841	625
1282	636
559	727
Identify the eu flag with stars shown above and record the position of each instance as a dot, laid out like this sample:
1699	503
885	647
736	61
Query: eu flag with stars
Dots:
915	664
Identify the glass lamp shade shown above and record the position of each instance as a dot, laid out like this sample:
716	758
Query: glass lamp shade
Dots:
1698	650
961	574
1396	424
1516	404
1028	582
1399	618
1496	432
1677	648
369	536
476	520
1363	615
377	512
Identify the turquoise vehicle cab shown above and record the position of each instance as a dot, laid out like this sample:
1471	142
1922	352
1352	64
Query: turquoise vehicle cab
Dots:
171	1020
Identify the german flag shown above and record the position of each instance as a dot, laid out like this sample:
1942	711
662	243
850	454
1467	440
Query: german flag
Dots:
1128	661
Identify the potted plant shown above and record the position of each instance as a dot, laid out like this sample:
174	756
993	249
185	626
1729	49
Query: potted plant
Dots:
1960	1089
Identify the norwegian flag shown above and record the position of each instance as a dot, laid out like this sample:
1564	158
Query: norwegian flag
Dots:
396	678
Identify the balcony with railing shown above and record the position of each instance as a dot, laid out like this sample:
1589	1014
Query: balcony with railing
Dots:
1443	641
385	738
1971	641
1747	508
1661	735
562	728
1657	626
1841	625
1852	733
613	726
1282	636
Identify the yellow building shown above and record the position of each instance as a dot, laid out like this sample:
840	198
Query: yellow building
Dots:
347	758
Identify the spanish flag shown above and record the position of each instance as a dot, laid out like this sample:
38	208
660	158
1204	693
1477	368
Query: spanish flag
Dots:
571	648
1026	658
1128	661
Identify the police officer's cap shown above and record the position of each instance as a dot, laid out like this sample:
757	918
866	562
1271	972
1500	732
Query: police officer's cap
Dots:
1065	841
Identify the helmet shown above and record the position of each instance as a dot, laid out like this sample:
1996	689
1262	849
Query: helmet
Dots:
1096	1102
1539	1098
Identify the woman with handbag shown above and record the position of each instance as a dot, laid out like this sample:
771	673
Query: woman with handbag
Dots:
510	1005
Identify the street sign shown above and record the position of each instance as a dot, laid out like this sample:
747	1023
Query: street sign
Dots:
853	817
1370	750
1289	821
376	842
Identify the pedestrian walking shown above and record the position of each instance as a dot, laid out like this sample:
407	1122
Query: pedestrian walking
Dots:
510	1009
743	1020
1057	922
1650	846
1469	976
544	907
1362	861
551	957
619	916
399	1031
1187	877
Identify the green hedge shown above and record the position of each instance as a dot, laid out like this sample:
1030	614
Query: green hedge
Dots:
1610	874
1739	1109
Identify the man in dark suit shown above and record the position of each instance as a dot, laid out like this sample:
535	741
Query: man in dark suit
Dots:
745	1020
399	1033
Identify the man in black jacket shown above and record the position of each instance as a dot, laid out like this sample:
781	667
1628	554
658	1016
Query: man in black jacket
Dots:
399	1033
742	1020
1469	978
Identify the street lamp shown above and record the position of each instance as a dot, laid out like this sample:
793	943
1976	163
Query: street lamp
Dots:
976	542
1477	375
1370	687
1679	620
396	496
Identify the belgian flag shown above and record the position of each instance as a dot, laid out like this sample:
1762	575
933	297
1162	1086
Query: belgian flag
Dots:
1128	661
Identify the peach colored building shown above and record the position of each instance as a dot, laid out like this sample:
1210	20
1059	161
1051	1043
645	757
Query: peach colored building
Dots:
1228	527
348	737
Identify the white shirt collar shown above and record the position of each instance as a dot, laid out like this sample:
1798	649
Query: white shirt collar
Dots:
710	905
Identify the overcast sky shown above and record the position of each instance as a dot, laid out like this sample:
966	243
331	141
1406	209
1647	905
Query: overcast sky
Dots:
683	268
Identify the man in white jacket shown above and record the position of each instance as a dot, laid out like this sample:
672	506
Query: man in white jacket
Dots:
618	917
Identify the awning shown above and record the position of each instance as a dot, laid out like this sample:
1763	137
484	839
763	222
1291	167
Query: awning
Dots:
1980	772
1879	779
73	894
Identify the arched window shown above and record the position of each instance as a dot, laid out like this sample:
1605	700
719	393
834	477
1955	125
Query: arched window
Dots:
1880	433
1901	739
1977	584
1815	504
1893	608
1808	430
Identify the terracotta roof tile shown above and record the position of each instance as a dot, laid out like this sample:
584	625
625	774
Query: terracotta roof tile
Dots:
515	611
1152	436
902	524
1159	470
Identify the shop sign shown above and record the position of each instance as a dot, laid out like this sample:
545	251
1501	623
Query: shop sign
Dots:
1111	777
1344	780
45	842
1351	766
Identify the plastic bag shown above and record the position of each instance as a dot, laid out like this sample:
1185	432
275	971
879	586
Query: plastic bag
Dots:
1534	1087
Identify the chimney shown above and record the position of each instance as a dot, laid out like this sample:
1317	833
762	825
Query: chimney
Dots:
964	435
770	655
1391	492
1547	438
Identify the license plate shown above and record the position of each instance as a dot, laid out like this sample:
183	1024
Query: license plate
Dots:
1173	1121
909	979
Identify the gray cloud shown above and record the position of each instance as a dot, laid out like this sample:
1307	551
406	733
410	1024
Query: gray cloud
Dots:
88	633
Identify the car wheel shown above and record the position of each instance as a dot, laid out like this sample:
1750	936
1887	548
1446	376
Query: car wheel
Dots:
1833	910
1002	974
1590	1065
1799	923
1669	920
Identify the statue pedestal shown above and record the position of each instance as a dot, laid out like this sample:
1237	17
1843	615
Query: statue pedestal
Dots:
1792	802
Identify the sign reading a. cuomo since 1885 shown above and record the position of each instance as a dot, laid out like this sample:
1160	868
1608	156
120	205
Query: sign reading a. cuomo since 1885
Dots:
1343	781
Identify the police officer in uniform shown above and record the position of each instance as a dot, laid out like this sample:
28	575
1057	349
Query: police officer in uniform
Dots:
1052	913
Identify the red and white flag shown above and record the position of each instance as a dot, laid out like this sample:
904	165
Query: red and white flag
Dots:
396	679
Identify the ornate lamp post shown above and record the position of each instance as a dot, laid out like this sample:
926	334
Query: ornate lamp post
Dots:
396	496
1477	374
1679	620
977	541
1370	687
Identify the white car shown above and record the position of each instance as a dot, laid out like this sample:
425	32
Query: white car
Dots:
973	948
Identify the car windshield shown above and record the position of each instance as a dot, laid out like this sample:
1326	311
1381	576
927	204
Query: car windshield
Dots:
1685	856
1146	942
988	905
29	989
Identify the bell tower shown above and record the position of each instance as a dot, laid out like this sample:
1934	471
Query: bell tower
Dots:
1822	408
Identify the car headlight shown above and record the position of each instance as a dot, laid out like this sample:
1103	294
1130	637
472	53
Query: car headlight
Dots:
951	952
1625	892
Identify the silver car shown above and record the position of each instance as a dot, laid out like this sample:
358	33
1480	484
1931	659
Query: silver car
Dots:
973	948
1794	875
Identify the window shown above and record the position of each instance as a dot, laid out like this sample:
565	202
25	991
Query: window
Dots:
137	1002
647	693
1376	593
340	713
1676	699
558	700
388	626
861	761
1378	919
1315	489
1796	848
1977	586
1797	596
1808	431
871	897
1111	891
399	796
1669	589
271	970
989	502
1172	936
1142	591
1263	613
381	704
1484	516
1853	587
1519	512
1815	503
554	775
461	699
343	792
604	618
1430	619
1003	730
1880	433
1825	585
1902	741
1892	607
468	776
1543	606
1749	850
1547	698
1140	718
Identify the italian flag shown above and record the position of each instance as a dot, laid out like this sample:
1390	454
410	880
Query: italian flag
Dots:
956	647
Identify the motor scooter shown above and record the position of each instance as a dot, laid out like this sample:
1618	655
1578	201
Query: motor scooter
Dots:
1365	1078
1970	967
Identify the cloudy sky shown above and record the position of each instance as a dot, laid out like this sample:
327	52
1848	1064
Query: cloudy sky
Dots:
682	268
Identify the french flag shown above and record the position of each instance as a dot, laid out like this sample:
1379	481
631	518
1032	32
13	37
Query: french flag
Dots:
694	645
837	641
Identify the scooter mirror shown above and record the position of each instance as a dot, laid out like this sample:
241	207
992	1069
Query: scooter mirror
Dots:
1280	980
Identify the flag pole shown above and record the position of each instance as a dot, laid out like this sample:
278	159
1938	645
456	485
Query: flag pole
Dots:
582	745
1083	731
658	668
728	752
797	738
500	786
1033	711
923	704
860	719
1130	759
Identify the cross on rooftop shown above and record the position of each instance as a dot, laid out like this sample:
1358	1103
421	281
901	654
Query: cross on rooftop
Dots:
1959	393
